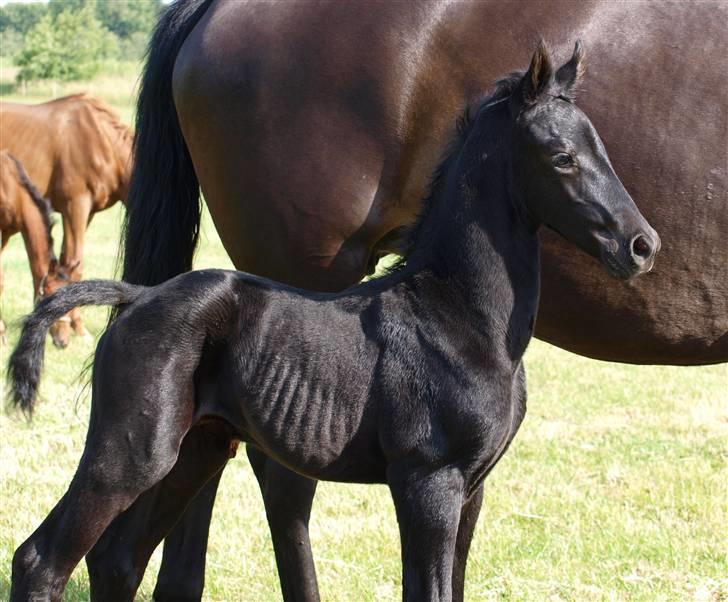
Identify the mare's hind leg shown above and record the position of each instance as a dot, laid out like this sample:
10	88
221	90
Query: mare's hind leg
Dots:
182	573
288	498
117	562
468	519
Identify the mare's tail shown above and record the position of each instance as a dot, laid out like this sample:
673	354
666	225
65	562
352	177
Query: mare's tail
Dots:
163	208
24	366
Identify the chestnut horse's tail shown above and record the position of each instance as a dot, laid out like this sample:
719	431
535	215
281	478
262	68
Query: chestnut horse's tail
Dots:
163	209
43	204
24	366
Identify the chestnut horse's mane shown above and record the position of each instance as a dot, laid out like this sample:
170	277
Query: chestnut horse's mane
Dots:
105	112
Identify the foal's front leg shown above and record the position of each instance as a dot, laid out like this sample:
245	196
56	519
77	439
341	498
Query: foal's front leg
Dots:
468	519
428	512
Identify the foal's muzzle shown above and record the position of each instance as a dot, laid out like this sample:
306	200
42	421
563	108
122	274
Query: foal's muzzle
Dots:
636	255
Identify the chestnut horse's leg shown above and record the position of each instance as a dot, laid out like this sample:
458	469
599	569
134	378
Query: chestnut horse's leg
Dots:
3	242
468	519
428	512
76	215
288	498
117	562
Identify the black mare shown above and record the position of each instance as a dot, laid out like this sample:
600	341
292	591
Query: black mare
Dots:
415	379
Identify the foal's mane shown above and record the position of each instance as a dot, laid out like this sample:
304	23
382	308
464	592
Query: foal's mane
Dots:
421	229
43	204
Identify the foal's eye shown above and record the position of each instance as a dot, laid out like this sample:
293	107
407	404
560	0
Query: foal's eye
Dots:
563	160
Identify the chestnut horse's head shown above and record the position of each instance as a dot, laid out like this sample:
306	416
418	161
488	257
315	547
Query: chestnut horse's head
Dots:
564	175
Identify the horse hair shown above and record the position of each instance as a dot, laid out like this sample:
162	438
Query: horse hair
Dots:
161	227
43	204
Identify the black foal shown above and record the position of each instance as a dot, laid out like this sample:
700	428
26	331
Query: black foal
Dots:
414	379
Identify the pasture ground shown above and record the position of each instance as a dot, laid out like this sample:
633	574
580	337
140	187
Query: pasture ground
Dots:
615	488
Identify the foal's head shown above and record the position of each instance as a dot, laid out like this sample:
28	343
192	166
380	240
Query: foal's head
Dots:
564	176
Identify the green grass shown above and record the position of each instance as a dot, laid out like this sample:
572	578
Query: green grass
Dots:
615	488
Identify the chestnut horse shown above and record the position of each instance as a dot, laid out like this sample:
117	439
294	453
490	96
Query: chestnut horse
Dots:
78	153
23	209
313	129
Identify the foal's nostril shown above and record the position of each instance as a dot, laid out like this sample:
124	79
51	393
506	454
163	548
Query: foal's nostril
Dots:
641	247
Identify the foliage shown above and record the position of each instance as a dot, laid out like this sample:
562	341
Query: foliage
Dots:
56	7
128	17
92	30
70	45
20	18
11	42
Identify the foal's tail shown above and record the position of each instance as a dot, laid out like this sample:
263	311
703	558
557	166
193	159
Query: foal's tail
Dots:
25	363
163	207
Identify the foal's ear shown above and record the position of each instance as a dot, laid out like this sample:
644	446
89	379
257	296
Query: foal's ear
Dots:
539	74
569	73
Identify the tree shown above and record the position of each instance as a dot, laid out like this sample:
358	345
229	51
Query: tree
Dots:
56	7
21	18
127	17
70	45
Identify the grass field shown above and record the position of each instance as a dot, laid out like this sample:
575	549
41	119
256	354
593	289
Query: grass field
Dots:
616	487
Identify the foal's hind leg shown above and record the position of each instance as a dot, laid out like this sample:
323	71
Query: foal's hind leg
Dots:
108	479
117	562
288	498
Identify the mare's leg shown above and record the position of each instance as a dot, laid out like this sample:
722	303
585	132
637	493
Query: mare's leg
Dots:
428	512
288	498
468	519
182	573
76	216
117	562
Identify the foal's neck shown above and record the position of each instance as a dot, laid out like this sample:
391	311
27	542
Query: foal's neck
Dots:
483	249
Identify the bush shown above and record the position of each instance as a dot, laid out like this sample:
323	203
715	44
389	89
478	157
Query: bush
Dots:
11	42
68	46
133	47
20	18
